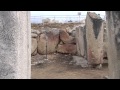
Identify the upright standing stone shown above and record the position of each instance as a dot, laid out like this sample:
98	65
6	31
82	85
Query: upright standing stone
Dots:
94	37
105	41
15	45
80	42
34	46
113	31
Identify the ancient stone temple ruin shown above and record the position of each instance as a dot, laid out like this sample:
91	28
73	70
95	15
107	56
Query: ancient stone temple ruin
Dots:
89	43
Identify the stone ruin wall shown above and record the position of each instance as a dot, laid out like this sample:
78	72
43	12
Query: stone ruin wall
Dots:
60	38
85	40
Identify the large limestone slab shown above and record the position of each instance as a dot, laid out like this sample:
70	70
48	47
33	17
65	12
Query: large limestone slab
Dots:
94	37
52	42
80	61
34	46
80	41
66	38
67	48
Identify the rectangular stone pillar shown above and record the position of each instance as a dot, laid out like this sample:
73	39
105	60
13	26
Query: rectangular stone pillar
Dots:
15	45
105	42
94	37
113	31
80	41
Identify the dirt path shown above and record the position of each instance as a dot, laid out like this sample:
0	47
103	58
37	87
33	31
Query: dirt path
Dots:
62	69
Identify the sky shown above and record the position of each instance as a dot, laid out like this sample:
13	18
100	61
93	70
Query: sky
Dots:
44	14
38	13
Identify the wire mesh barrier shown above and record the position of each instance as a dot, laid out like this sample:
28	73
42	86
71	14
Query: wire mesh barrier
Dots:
60	18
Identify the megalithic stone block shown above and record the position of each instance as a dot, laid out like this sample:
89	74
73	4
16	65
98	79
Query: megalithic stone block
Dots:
113	32
80	42
94	37
52	41
105	41
67	49
15	45
34	45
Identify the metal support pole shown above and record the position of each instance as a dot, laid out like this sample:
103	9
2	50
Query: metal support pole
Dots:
79	13
46	44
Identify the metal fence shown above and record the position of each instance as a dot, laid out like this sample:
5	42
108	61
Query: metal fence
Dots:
60	18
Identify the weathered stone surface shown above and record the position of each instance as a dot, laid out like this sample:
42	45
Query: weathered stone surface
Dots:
34	53
43	31
113	32
73	33
35	31
15	45
82	24
67	48
61	43
33	35
105	41
42	44
80	41
72	40
33	46
94	37
64	36
105	46
93	15
68	30
80	61
52	42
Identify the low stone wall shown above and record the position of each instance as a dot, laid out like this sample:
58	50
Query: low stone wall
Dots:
55	40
